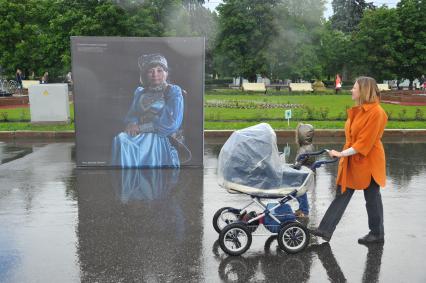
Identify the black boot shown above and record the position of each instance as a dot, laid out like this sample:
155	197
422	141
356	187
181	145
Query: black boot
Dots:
371	239
318	233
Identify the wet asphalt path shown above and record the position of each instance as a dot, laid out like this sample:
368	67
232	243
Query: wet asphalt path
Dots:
62	224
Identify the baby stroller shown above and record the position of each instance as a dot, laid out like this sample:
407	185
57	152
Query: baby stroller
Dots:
249	163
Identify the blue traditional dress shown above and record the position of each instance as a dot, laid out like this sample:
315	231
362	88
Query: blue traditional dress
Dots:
158	114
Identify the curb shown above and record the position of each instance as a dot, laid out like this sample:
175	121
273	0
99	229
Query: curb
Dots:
210	134
37	135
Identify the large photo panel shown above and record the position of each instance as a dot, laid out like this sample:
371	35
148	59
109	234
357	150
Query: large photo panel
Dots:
138	101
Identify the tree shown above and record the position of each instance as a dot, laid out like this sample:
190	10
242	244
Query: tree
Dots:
204	23
35	34
348	13
374	45
293	53
334	50
246	30
411	44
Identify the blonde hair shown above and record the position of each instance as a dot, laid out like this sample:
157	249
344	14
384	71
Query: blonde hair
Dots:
368	90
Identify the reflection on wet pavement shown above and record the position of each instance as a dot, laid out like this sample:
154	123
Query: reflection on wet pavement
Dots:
10	152
141	224
62	224
272	264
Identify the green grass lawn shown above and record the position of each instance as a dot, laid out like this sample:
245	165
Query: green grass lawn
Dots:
25	126
22	114
252	110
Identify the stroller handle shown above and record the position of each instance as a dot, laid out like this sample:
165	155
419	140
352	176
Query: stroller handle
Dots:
319	163
307	154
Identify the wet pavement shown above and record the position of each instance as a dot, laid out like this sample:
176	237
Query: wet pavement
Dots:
63	224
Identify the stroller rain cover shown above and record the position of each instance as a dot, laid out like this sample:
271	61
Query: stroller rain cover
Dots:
250	158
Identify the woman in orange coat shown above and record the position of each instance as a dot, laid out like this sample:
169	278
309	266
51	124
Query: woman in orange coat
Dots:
362	163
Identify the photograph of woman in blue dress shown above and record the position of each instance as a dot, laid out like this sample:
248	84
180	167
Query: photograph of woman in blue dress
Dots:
154	117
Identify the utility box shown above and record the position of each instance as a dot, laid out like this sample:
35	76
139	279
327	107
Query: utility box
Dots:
49	103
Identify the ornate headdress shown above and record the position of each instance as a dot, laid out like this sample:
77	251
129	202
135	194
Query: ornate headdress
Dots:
147	61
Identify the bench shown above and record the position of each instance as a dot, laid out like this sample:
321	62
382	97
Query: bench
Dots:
301	87
383	87
254	87
27	83
277	86
232	86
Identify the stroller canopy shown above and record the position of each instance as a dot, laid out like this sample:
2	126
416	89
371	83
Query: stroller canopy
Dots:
250	158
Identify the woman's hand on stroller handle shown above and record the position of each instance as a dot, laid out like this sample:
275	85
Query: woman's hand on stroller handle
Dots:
303	156
334	153
318	163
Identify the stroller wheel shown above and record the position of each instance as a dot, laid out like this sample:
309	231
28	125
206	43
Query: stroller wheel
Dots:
293	237
225	216
235	239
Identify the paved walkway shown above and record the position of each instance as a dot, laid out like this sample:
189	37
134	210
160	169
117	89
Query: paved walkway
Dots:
64	224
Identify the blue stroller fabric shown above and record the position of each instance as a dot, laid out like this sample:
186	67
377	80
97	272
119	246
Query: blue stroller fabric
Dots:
284	213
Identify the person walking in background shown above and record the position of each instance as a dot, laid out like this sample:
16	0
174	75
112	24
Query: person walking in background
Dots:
45	78
68	80
18	77
362	163
338	83
423	82
31	76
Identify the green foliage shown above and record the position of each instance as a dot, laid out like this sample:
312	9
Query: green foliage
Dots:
5	116
380	25
402	115
230	118
348	13
35	34
411	44
246	28
280	39
324	112
419	115
24	114
389	113
333	50
294	52
344	114
390	43
310	113
17	126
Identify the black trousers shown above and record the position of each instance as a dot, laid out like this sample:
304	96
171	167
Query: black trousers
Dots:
373	203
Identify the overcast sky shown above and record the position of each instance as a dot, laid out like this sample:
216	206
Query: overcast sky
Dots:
212	4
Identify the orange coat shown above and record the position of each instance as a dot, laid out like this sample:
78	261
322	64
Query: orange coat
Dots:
363	131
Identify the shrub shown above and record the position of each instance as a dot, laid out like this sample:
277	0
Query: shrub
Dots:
344	114
23	115
324	112
402	115
389	113
419	115
310	113
5	116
